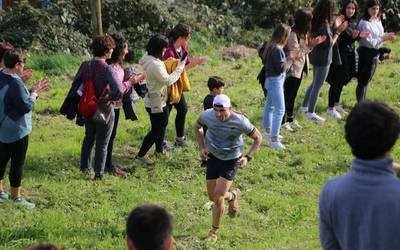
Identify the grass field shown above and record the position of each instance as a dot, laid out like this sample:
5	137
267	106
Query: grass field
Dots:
279	189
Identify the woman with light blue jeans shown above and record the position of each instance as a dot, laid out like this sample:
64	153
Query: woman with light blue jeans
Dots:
275	72
274	108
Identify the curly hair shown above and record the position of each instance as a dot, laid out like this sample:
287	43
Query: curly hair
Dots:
102	44
372	128
120	45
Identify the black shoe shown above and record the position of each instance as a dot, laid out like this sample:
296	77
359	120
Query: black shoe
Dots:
98	177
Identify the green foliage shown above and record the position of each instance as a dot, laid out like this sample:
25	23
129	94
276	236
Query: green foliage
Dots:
54	64
42	30
266	13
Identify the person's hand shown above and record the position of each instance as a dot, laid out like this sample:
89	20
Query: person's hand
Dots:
355	34
339	21
317	40
342	27
200	60
40	86
137	78
389	36
242	162
396	168
294	53
364	34
26	74
204	154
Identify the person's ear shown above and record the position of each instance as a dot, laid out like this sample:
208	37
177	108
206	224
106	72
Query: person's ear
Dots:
130	244
170	243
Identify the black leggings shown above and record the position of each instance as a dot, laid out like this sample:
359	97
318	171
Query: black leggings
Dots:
181	110
368	61
159	122
109	166
16	151
335	92
290	88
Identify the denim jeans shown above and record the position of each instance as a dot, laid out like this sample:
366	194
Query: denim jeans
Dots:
98	135
275	104
319	76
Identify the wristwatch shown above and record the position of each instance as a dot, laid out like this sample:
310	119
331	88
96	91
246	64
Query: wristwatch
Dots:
248	157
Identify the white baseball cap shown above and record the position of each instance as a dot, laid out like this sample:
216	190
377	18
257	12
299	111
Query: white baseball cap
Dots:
222	100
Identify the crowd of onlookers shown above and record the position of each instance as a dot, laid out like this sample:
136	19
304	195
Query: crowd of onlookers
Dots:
357	210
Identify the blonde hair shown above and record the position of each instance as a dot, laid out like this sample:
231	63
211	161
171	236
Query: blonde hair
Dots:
279	37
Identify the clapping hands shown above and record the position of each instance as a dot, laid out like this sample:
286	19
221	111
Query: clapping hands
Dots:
40	86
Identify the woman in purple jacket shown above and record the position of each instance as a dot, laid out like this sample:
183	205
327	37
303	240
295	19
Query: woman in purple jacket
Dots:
178	48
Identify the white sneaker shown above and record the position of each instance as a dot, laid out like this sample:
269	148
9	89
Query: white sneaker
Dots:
340	109
276	145
303	109
296	124
287	126
315	118
267	136
334	113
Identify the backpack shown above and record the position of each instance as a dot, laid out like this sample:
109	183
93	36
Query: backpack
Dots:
260	49
89	101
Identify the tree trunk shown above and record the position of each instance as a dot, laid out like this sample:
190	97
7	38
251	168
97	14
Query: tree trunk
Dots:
97	26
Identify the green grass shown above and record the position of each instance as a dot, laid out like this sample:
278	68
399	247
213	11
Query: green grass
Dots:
279	189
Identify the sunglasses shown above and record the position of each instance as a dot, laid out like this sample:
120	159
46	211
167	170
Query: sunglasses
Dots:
22	60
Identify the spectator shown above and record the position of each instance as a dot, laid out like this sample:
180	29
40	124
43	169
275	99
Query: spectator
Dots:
359	211
149	227
370	46
16	105
116	62
321	54
107	87
155	100
178	47
343	68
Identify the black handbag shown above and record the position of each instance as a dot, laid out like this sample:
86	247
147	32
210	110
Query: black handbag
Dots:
103	113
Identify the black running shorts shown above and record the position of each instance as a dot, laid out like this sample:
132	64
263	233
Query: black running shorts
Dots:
219	168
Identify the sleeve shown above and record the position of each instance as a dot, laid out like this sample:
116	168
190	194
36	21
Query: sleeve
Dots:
374	39
326	31
189	58
201	120
278	59
247	128
119	73
168	53
161	74
327	235
18	101
115	89
78	77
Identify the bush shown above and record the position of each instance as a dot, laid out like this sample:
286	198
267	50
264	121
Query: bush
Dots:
42	30
266	13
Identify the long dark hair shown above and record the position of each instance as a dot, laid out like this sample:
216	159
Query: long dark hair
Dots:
302	21
156	45
371	3
344	7
180	30
279	37
322	13
120	45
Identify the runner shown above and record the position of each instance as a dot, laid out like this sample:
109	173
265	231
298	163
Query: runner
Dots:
222	147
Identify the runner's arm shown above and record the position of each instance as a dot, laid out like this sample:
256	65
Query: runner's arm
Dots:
257	140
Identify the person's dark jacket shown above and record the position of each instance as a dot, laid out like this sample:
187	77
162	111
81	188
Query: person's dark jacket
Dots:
321	55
